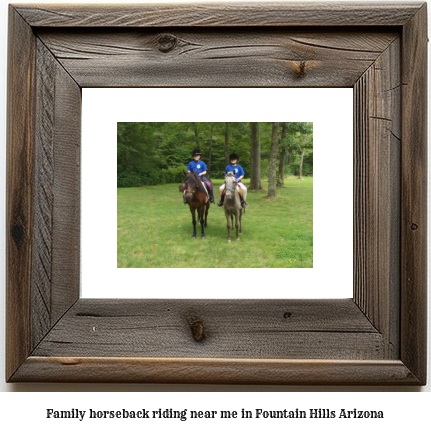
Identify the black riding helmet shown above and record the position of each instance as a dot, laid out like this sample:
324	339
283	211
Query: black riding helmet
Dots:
233	156
196	152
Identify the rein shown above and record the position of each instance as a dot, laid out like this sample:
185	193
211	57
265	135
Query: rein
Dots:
233	190
197	182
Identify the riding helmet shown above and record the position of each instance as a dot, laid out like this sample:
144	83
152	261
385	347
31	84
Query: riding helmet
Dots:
196	152
233	156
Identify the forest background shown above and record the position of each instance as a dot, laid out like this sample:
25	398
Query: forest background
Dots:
157	153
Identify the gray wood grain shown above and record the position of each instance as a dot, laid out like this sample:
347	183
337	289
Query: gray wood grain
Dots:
268	329
379	337
55	278
43	189
214	14
215	371
414	194
19	199
229	58
67	198
377	180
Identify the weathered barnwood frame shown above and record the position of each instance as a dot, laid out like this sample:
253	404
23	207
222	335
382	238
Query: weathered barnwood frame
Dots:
378	337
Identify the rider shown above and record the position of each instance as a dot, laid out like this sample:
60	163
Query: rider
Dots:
239	175
198	166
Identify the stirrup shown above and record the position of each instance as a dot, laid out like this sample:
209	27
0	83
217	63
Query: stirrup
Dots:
243	204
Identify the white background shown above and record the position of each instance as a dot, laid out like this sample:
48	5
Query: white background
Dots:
332	221
404	408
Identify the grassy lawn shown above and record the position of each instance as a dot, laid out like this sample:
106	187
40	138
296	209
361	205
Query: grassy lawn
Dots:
154	230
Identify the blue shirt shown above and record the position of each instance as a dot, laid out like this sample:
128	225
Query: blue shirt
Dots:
237	170
197	167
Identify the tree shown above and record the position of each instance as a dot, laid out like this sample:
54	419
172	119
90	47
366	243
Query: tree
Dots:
136	153
296	137
226	143
305	144
210	146
156	153
273	161
195	127
300	147
282	162
255	180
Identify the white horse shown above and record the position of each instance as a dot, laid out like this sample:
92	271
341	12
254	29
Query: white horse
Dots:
232	205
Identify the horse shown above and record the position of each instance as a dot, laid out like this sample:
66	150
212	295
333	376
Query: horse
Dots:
197	198
232	205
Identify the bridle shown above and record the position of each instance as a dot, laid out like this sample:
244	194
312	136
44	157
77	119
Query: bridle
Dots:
196	186
230	189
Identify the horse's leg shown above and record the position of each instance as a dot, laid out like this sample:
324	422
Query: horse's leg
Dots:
201	220
240	220
237	225
207	207
228	224
193	211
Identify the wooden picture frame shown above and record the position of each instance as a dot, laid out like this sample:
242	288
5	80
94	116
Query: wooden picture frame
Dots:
376	338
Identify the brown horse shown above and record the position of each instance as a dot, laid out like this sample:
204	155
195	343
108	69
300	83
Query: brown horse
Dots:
197	198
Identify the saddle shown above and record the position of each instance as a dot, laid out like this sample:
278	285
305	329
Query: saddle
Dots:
206	189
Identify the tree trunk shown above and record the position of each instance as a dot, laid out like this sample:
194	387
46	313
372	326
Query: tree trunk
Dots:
301	163
282	162
255	181
226	144
195	127
210	147
272	192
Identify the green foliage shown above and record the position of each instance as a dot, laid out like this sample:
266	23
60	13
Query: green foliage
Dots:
172	175
128	179
156	153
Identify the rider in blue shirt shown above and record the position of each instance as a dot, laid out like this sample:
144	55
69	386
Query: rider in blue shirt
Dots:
239	175
236	169
198	166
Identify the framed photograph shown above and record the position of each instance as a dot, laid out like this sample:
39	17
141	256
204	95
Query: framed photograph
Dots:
377	337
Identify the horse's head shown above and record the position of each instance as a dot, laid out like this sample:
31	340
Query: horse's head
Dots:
230	185
191	185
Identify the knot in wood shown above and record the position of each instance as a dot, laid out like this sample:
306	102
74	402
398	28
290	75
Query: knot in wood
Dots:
18	233
300	69
197	328
167	42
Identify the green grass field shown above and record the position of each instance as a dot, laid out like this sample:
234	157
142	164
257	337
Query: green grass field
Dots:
154	230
